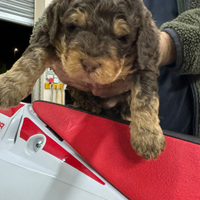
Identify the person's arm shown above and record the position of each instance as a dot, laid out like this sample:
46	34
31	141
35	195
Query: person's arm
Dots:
168	53
185	34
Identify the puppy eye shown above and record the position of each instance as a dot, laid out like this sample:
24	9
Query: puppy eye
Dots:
72	27
123	39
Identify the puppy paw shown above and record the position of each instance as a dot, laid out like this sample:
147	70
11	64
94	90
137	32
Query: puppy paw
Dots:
148	144
10	94
9	101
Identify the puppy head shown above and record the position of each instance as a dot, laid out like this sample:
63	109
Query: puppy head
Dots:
98	40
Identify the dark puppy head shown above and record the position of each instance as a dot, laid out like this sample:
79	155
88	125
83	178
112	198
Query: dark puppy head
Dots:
100	41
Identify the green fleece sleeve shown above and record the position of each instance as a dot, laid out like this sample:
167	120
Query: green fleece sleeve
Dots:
187	27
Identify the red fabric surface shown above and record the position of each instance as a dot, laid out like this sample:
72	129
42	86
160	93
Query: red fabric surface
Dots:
10	112
104	143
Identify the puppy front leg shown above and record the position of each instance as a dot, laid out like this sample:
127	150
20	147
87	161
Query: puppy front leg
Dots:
18	82
147	138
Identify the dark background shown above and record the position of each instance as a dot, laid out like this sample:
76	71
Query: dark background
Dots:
12	36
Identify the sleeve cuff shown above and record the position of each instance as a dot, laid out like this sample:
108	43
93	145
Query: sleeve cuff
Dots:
179	49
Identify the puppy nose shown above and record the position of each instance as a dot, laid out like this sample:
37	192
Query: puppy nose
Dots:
90	65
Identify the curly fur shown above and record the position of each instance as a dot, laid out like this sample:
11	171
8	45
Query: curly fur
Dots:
121	38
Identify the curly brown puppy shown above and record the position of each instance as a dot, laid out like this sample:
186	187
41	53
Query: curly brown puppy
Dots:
98	41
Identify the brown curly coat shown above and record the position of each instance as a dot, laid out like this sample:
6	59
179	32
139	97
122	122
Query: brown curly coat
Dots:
120	38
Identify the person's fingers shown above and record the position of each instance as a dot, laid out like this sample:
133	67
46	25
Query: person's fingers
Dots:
103	91
113	89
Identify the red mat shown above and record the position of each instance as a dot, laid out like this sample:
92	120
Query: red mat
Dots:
104	143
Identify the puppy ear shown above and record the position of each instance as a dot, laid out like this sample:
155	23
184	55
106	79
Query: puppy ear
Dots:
148	42
52	14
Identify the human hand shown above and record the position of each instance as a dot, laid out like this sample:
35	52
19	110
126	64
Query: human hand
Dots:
103	91
167	56
57	67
